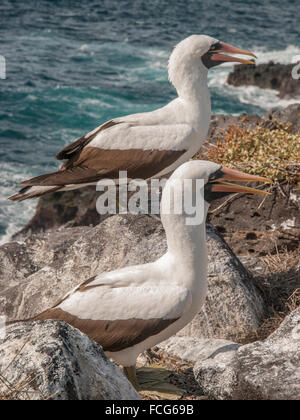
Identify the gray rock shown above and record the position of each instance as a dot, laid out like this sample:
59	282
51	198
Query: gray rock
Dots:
15	265
63	259
72	208
194	349
266	370
257	266
270	370
53	360
217	376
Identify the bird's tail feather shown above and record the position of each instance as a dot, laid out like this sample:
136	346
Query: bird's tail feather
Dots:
34	191
16	321
39	317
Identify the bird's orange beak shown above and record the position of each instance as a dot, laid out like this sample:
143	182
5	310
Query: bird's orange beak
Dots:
222	185
226	48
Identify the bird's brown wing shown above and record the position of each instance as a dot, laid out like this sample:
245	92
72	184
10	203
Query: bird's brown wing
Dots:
93	164
111	335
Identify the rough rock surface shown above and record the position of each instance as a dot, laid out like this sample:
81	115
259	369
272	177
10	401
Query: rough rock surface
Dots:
195	349
290	114
253	225
56	361
271	369
71	208
63	259
267	76
250	224
266	370
216	375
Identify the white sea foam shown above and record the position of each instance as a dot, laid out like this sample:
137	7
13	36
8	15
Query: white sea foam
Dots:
285	56
13	215
84	47
264	98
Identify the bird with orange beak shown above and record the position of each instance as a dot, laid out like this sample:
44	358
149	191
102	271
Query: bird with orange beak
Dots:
150	144
219	54
131	309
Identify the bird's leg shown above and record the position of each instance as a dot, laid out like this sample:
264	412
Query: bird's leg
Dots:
130	373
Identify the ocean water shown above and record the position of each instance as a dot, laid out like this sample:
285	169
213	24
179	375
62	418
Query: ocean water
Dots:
72	65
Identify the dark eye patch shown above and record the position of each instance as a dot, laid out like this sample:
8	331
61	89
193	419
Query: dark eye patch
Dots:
206	58
216	175
215	47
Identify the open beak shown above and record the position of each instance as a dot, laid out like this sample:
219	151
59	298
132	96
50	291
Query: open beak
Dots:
226	48
222	185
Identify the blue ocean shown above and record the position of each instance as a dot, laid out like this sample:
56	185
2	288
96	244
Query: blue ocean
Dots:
71	65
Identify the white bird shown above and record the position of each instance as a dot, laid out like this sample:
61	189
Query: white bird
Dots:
149	144
129	310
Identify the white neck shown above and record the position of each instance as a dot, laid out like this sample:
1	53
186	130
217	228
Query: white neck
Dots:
190	81
189	77
186	243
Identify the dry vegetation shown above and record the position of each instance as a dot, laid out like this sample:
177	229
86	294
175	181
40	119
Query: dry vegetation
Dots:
271	150
280	287
19	390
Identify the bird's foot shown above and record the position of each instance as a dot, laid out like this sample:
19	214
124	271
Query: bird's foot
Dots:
130	373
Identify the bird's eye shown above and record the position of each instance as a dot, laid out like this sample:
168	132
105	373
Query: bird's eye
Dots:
215	47
216	175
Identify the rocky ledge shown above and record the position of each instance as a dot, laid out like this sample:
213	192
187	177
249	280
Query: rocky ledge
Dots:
263	370
53	360
267	76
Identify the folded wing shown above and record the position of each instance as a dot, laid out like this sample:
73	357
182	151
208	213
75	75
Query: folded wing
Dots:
120	317
142	151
